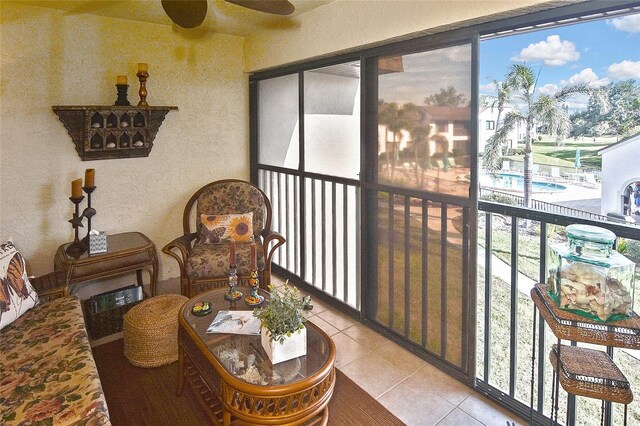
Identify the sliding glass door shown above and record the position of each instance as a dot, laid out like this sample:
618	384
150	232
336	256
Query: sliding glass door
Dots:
372	172
418	201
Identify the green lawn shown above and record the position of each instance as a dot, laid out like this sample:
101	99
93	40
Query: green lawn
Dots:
546	152
398	287
588	410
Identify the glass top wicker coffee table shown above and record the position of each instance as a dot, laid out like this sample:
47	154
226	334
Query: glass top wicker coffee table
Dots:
234	380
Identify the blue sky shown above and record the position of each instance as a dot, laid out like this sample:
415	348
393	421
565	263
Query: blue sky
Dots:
596	52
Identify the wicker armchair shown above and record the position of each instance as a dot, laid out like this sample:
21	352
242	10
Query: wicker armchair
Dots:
205	266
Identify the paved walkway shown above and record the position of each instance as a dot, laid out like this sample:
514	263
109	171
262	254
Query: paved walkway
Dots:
502	270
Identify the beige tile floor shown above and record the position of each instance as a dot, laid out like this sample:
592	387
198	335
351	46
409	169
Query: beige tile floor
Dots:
413	390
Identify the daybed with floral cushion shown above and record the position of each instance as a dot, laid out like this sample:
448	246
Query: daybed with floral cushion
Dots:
47	372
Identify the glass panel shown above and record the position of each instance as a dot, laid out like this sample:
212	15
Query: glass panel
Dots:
454	284
383	288
424	120
332	120
433	320
278	137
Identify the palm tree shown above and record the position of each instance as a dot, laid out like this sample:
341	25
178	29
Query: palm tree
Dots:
492	154
420	137
531	109
395	120
442	141
411	117
446	97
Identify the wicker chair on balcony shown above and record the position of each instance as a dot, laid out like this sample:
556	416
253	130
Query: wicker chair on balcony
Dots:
203	260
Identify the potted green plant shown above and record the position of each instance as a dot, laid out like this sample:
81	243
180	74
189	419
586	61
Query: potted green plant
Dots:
284	335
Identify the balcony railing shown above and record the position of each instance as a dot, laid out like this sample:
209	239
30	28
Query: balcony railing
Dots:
321	225
318	215
513	246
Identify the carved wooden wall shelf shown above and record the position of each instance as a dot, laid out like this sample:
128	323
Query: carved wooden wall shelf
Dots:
103	132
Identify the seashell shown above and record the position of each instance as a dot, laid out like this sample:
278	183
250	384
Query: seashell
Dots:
111	145
124	124
613	283
96	125
579	287
138	144
582	300
568	289
592	290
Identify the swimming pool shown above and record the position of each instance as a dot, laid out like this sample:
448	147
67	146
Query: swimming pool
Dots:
513	182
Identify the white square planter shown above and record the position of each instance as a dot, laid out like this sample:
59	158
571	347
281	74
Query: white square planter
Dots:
292	347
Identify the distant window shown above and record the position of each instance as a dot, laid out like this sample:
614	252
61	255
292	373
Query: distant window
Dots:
491	125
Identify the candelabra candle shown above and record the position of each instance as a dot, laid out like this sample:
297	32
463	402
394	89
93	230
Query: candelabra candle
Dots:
233	294
77	247
89	212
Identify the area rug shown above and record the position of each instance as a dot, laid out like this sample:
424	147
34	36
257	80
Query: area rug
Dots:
147	396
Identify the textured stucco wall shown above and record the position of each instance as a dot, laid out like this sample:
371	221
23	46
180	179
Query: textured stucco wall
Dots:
49	57
619	169
345	24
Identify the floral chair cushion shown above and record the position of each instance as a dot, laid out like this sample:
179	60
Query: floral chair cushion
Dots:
230	198
212	260
47	372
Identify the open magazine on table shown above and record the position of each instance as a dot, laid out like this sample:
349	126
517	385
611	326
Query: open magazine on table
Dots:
235	322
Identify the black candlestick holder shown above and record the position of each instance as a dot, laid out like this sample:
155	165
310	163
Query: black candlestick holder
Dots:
77	247
122	95
89	212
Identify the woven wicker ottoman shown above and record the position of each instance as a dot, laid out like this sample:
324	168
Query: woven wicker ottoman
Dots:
151	331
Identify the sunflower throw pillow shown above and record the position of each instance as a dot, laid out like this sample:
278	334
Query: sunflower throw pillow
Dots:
226	227
16	293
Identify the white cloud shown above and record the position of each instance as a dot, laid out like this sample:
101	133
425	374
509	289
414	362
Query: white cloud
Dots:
585	76
553	51
624	70
548	89
577	102
459	53
488	88
630	23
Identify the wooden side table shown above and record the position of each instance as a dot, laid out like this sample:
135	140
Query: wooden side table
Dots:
126	252
582	371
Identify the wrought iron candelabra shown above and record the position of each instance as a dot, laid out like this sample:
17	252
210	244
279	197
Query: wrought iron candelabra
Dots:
79	246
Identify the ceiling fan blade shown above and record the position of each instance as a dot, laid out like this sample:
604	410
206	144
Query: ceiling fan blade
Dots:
186	13
275	7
